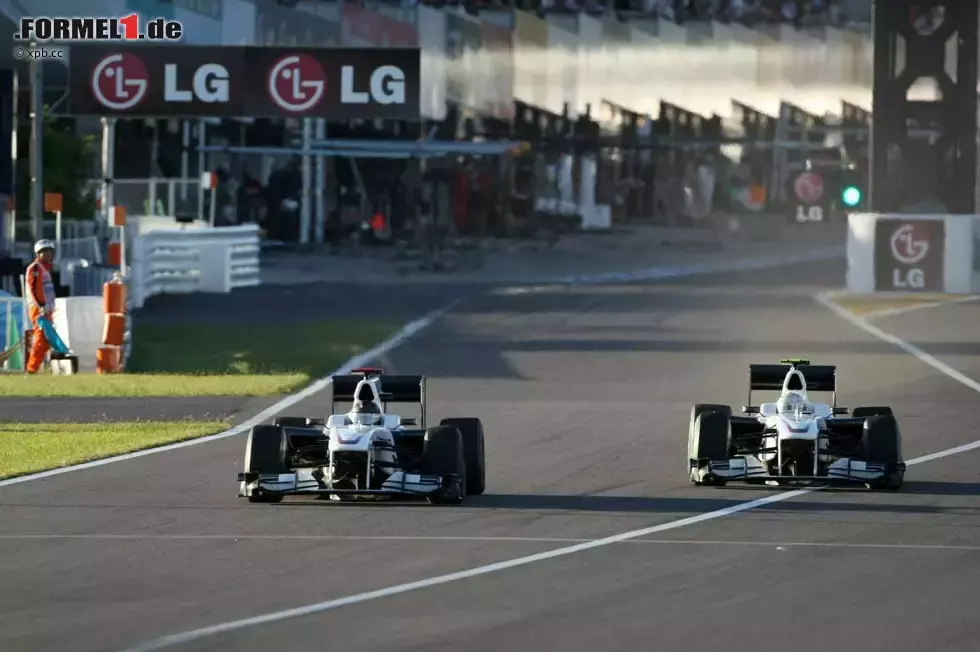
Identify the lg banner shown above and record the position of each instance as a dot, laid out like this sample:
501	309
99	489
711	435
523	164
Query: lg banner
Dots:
192	81
909	255
809	198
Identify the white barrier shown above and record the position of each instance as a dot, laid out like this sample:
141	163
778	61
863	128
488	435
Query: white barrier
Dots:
180	261
80	322
895	252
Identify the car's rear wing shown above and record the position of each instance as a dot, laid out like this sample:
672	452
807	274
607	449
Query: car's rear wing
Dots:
392	388
819	378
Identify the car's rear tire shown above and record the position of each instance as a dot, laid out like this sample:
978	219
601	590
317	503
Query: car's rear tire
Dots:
874	411
442	455
265	453
881	443
710	440
474	453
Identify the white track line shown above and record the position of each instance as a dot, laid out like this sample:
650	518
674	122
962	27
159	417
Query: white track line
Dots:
314	537
395	340
329	605
891	312
911	349
193	635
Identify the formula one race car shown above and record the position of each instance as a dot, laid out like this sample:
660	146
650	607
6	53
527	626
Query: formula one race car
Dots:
794	439
366	452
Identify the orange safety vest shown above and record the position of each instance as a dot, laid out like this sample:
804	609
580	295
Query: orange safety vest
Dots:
40	286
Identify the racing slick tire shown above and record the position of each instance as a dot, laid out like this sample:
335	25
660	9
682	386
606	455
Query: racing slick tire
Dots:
265	452
710	439
442	454
865	412
881	443
473	452
698	410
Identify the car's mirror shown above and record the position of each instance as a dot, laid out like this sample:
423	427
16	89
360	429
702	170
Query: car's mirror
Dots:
409	422
750	409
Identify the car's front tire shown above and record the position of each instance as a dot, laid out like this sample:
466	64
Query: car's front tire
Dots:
442	455
474	452
265	453
881	443
710	440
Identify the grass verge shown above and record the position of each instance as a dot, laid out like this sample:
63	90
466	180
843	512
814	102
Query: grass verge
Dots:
196	360
29	448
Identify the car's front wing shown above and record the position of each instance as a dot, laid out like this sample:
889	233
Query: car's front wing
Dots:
749	467
303	481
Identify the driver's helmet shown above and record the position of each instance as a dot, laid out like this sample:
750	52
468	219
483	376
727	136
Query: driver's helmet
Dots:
790	403
366	413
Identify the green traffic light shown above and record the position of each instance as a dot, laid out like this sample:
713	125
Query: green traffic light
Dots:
851	196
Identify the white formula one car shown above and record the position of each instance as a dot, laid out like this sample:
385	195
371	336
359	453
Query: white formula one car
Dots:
366	452
795	439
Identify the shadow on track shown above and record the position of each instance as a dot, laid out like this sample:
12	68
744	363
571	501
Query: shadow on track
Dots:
653	505
714	499
942	488
763	348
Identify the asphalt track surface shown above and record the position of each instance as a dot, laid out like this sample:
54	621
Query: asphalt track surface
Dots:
585	395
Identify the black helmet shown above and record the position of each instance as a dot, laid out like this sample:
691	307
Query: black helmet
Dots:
366	407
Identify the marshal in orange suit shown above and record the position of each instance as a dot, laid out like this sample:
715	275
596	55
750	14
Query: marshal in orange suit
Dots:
40	301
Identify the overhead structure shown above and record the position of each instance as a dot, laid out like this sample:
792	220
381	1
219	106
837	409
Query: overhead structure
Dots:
756	124
855	123
311	84
915	41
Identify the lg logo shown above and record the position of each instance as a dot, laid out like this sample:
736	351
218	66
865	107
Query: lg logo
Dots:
909	248
210	84
387	86
121	81
297	83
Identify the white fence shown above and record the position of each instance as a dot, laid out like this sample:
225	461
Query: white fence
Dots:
13	321
181	261
893	252
79	321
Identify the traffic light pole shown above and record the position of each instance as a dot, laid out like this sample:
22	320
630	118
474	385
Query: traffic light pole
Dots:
907	171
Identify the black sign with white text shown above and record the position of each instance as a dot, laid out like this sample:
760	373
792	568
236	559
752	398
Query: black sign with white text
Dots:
909	255
808	198
258	82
